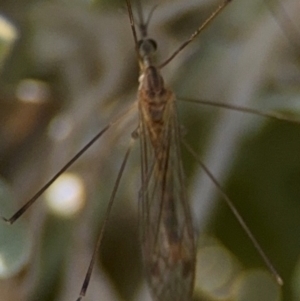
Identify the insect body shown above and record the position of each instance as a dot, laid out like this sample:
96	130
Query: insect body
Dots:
167	232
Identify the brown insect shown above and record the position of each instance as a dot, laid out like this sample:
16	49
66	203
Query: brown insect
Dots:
167	232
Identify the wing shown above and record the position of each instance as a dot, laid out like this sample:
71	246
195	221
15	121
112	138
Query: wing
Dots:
167	234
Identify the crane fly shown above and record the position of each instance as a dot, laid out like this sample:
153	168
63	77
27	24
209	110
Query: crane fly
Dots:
167	235
166	228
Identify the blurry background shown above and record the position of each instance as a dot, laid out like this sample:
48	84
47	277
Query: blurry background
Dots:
68	68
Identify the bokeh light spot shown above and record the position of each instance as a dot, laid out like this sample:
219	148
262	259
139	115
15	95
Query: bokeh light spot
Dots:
33	91
66	196
215	271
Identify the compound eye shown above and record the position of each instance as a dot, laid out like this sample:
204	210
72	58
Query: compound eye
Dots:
147	46
153	44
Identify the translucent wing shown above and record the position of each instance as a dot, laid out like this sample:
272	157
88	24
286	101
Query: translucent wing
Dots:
166	227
